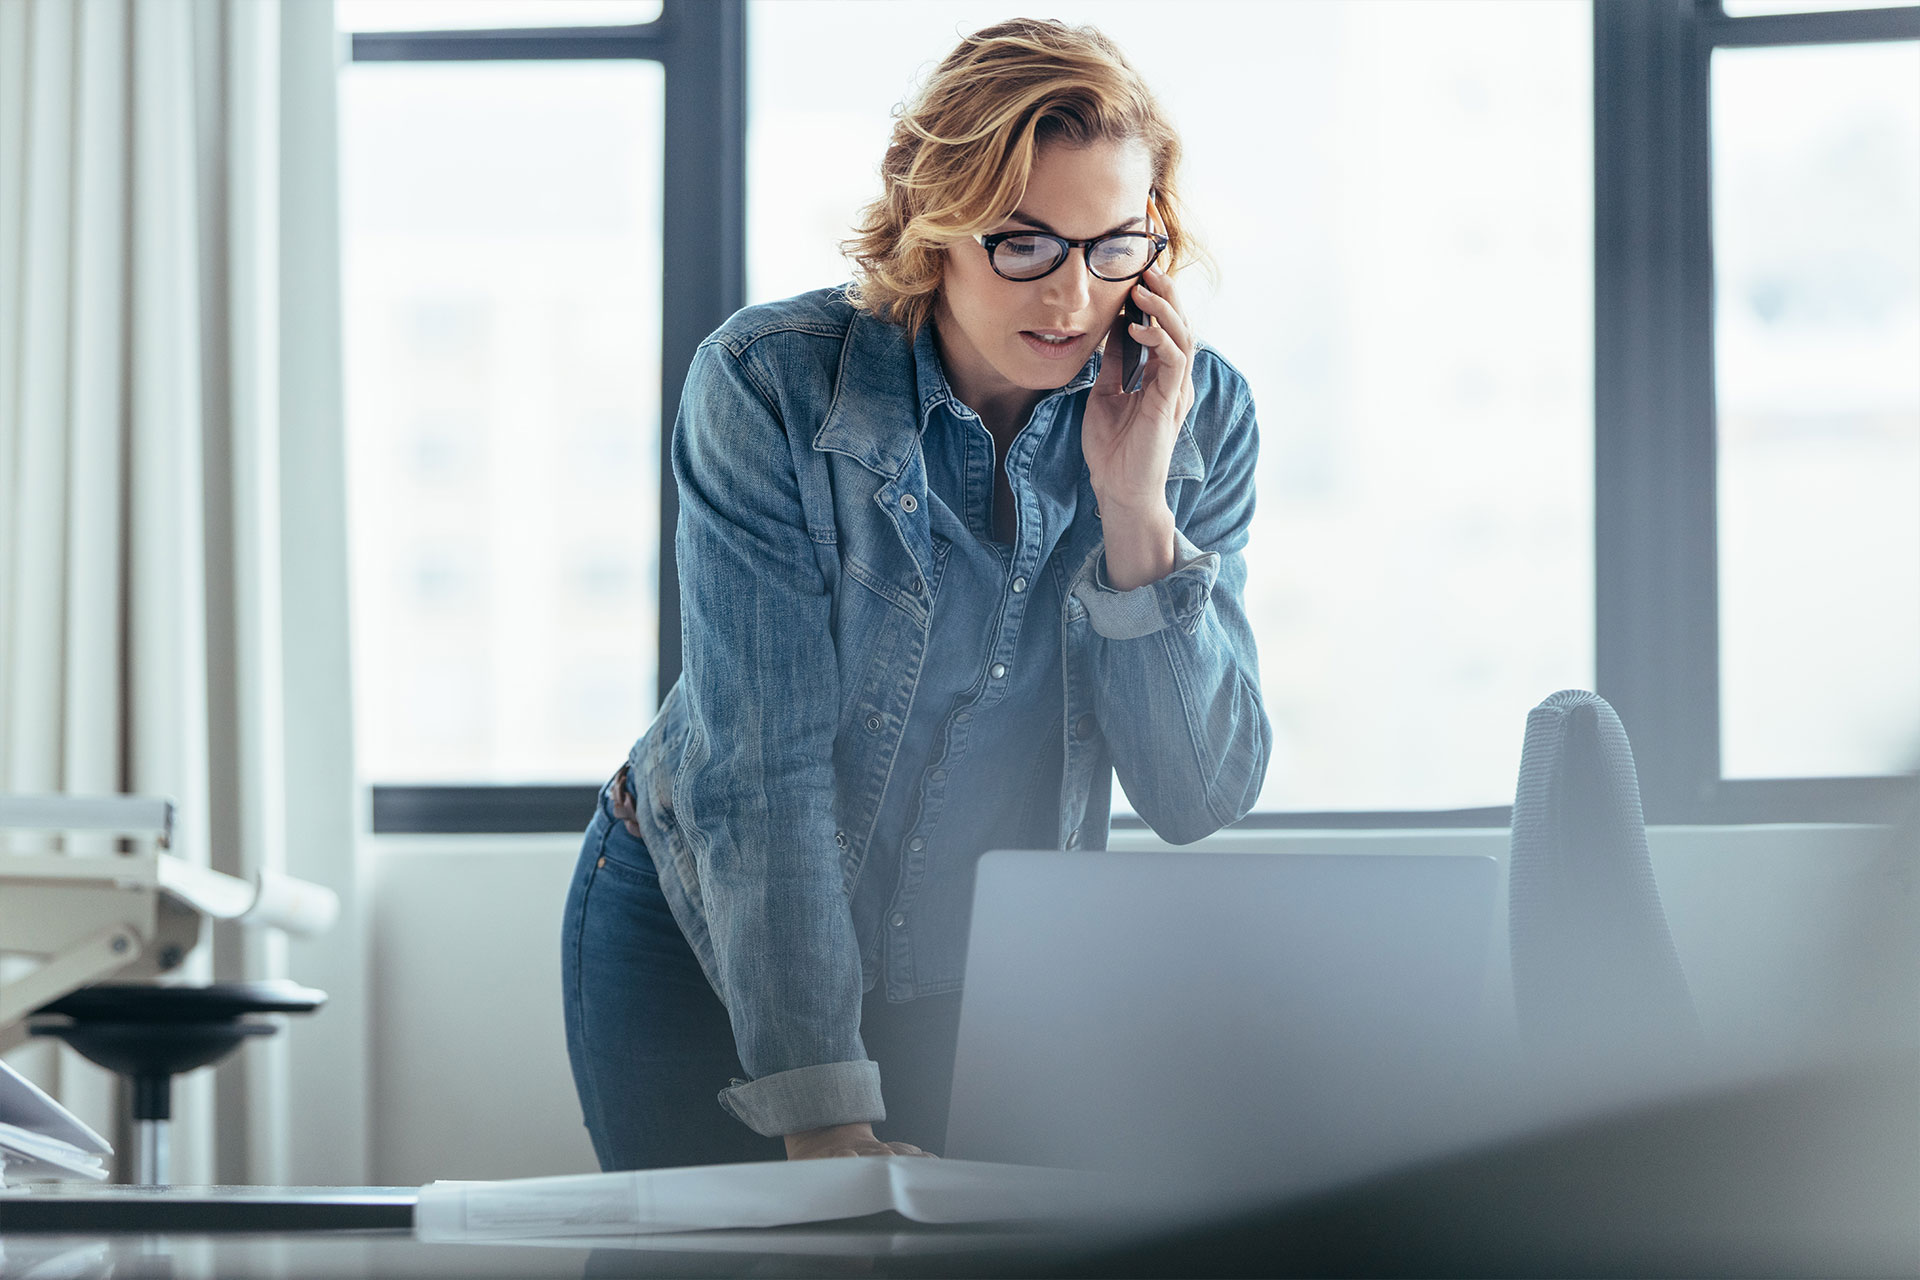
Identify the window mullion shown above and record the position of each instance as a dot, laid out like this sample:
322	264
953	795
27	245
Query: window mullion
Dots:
1657	647
704	271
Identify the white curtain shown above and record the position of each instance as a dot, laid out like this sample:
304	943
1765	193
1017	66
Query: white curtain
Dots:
172	561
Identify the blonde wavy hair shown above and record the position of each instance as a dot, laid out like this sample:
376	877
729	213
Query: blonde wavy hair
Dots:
963	149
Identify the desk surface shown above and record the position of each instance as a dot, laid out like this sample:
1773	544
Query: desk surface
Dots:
885	1245
97	1207
1814	1175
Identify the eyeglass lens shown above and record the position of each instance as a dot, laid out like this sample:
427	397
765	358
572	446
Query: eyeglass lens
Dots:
1118	257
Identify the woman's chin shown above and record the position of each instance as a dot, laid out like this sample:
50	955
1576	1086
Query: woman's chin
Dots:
1030	374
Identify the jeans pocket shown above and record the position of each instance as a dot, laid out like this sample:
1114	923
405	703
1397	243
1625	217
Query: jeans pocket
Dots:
619	847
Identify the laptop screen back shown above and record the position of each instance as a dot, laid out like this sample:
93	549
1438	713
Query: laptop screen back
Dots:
1282	1020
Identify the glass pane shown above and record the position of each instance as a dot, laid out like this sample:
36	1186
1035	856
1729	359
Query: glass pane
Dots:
446	15
1754	8
502	240
1405	249
1816	180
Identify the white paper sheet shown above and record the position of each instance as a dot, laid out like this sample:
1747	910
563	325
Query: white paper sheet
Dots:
39	1138
769	1194
26	1154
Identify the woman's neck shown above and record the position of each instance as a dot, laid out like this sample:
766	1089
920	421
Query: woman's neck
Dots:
1003	407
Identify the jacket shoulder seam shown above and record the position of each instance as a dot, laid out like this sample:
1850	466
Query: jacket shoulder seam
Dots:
738	343
746	371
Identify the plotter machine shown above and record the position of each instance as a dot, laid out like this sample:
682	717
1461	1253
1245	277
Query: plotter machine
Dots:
110	931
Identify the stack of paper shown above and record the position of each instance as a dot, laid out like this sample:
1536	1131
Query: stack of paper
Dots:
40	1139
770	1194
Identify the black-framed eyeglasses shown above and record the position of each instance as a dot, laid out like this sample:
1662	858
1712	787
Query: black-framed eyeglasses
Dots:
1028	255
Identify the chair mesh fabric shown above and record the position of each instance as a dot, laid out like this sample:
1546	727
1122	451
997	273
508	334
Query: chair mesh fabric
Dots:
1594	965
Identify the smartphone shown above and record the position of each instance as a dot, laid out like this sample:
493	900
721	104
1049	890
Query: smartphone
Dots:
1133	356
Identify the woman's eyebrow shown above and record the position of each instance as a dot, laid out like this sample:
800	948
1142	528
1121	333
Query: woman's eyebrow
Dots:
1030	220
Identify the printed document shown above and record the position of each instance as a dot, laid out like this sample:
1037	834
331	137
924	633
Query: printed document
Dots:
766	1194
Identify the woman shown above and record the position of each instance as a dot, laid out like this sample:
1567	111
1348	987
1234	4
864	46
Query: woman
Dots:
941	576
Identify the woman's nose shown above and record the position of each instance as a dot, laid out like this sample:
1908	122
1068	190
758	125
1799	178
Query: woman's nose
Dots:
1071	285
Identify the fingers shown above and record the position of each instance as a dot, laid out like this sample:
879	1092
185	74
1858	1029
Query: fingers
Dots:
908	1149
1172	340
1108	383
1155	295
857	1149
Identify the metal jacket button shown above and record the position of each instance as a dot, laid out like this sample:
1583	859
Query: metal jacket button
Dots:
909	503
916	844
1083	727
999	670
898	921
1019	585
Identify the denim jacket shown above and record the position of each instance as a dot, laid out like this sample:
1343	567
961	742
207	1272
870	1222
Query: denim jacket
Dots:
807	580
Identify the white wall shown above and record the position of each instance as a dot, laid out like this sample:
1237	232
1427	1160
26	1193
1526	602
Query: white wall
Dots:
1785	933
470	1076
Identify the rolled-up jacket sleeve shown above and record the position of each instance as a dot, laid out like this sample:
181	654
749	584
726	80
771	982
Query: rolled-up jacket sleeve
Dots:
1175	677
754	795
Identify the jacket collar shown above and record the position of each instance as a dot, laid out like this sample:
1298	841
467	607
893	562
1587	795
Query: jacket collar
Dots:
872	418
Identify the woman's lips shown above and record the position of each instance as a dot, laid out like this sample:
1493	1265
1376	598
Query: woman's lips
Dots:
1051	350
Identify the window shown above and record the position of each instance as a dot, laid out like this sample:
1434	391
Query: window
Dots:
502	237
461	15
515	327
1816	234
1756	395
1385	186
1640	275
1756	8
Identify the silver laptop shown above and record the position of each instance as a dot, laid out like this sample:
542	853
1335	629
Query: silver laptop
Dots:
1262	1022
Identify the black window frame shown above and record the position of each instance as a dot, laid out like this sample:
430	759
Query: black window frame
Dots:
1655	466
1655	476
701	46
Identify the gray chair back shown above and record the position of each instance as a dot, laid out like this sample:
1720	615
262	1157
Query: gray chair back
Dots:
1595	973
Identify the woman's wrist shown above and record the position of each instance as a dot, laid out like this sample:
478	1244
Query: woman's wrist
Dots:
1139	544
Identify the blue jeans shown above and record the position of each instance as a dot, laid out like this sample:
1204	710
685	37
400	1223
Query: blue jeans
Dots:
652	1046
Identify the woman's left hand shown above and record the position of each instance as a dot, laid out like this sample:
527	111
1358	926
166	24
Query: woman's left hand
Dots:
1128	439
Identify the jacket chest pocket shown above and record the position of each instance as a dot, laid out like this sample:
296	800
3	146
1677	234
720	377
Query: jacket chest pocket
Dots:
881	637
900	583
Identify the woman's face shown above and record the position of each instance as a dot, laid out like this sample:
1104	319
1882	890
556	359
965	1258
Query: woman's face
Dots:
990	328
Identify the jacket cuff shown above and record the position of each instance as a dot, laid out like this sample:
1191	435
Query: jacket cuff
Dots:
1176	600
807	1098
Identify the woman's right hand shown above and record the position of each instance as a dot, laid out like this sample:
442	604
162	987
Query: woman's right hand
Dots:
846	1140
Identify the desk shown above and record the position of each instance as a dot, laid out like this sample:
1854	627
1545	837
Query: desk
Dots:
885	1245
1813	1175
89	1207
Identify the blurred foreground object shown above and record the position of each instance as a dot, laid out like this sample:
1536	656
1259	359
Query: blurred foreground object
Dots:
1687	1164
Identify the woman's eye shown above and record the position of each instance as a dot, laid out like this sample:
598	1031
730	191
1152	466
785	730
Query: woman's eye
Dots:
1022	247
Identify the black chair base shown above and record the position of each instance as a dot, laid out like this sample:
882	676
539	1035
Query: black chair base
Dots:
149	1034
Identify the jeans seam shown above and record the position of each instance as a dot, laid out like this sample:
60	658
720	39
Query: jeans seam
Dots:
579	984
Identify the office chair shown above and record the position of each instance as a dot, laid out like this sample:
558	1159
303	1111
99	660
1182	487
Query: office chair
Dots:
1595	973
149	1034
